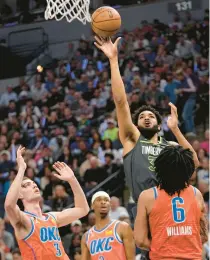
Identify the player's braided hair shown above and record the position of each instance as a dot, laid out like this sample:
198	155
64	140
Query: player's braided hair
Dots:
136	114
174	168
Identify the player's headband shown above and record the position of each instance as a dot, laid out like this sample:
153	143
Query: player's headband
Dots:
99	194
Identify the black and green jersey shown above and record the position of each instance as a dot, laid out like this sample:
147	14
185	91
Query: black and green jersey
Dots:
139	165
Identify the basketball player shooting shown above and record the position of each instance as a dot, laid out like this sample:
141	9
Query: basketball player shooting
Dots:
37	234
140	138
107	239
173	211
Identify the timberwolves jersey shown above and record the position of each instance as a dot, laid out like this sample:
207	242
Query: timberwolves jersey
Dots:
139	165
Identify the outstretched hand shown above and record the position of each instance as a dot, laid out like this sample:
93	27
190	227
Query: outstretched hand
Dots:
64	172
20	161
107	46
173	118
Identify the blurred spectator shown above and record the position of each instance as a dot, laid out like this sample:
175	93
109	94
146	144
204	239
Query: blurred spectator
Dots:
69	119
170	88
95	174
52	123
38	91
84	110
107	147
34	110
203	98
98	102
70	96
8	182
77	254
136	101
57	143
91	220
12	109
24	93
75	104
202	154
66	156
103	126
184	48
55	97
6	165
49	188
76	229
90	72
75	244
8	96
205	144
88	95
31	175
82	86
188	95
46	178
117	211
87	163
60	200
7	242
203	176
50	80
112	131
154	97
196	145
16	255
38	140
109	166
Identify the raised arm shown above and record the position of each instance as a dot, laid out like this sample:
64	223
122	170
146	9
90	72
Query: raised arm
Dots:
127	130
173	125
81	208
141	226
14	214
203	219
84	248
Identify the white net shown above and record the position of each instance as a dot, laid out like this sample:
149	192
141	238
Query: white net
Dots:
71	9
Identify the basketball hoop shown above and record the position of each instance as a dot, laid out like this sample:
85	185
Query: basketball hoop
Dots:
71	9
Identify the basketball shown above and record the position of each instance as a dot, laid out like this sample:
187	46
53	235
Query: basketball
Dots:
106	21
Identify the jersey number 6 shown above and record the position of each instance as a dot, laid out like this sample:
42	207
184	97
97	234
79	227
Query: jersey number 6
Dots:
177	211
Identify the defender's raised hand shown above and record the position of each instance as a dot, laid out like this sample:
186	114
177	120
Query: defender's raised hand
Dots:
107	46
65	173
173	118
20	160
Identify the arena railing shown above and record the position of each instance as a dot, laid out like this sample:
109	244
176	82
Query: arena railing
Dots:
26	45
102	184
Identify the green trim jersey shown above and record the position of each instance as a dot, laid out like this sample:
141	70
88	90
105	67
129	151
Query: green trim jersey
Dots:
139	165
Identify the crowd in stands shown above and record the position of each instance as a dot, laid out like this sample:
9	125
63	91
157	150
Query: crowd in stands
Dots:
68	114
